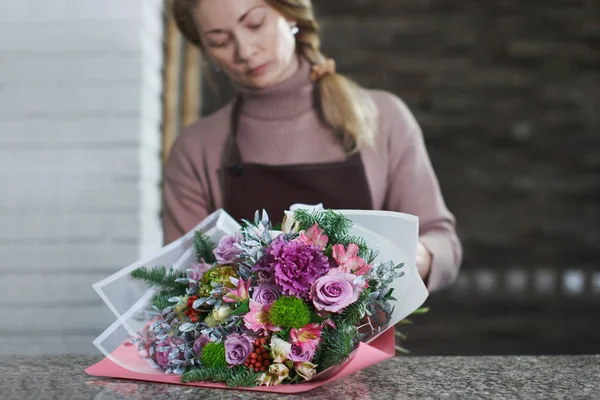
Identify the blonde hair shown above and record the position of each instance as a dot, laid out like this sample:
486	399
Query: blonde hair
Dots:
342	103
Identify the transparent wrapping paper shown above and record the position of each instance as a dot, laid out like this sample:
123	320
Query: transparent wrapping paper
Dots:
130	301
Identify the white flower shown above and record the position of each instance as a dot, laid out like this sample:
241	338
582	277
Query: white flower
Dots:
210	321
221	314
305	369
276	374
289	224
279	349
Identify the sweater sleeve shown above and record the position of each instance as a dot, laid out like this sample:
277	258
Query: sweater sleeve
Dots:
185	201
413	188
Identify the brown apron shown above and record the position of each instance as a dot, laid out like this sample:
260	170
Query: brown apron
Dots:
248	187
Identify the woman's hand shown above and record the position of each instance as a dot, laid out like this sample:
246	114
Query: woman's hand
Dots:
424	258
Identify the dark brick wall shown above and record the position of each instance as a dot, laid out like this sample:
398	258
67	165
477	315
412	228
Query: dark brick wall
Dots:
508	95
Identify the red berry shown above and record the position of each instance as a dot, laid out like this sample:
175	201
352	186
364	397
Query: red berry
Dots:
253	355
266	363
263	369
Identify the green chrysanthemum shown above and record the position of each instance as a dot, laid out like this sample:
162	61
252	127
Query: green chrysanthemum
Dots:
289	312
218	275
213	355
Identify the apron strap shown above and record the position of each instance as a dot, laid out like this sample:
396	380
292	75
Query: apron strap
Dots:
232	159
209	188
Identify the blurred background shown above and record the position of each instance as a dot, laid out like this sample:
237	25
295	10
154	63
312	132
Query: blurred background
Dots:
93	93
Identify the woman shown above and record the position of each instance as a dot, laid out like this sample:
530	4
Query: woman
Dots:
298	132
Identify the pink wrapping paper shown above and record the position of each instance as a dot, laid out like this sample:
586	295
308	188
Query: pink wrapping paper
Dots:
380	349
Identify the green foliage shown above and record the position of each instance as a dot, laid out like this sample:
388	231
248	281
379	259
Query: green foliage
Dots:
204	248
233	377
243	377
289	312
336	344
213	355
242	308
356	311
161	299
422	310
214	374
162	278
334	225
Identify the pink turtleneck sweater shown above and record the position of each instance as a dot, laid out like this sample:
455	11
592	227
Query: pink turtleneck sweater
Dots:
279	126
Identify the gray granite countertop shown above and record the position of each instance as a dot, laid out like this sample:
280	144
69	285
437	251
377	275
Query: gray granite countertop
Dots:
512	377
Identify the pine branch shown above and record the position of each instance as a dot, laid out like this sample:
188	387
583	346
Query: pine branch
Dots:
356	311
161	299
214	374
204	248
336	345
243	377
334	225
234	377
161	277
337	227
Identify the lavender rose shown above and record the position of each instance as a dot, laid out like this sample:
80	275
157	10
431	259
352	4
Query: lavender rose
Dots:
297	355
335	291
266	293
237	348
200	343
164	348
226	251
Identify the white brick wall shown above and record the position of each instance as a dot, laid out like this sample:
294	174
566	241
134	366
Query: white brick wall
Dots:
80	108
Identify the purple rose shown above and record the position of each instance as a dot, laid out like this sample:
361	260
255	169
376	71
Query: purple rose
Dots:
164	348
200	343
297	355
335	291
266	293
226	251
237	348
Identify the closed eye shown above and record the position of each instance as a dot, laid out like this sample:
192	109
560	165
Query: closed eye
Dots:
257	25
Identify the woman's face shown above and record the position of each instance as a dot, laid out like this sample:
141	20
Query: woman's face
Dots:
248	39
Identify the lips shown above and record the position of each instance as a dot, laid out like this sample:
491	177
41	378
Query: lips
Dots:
259	70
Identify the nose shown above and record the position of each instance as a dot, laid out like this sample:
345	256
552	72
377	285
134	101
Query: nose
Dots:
245	48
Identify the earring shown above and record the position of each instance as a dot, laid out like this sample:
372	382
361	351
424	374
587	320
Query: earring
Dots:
295	30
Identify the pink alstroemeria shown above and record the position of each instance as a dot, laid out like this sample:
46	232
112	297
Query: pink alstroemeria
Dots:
257	318
307	337
349	261
239	294
315	236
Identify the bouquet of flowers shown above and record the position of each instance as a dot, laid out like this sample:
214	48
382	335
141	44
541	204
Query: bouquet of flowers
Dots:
259	305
